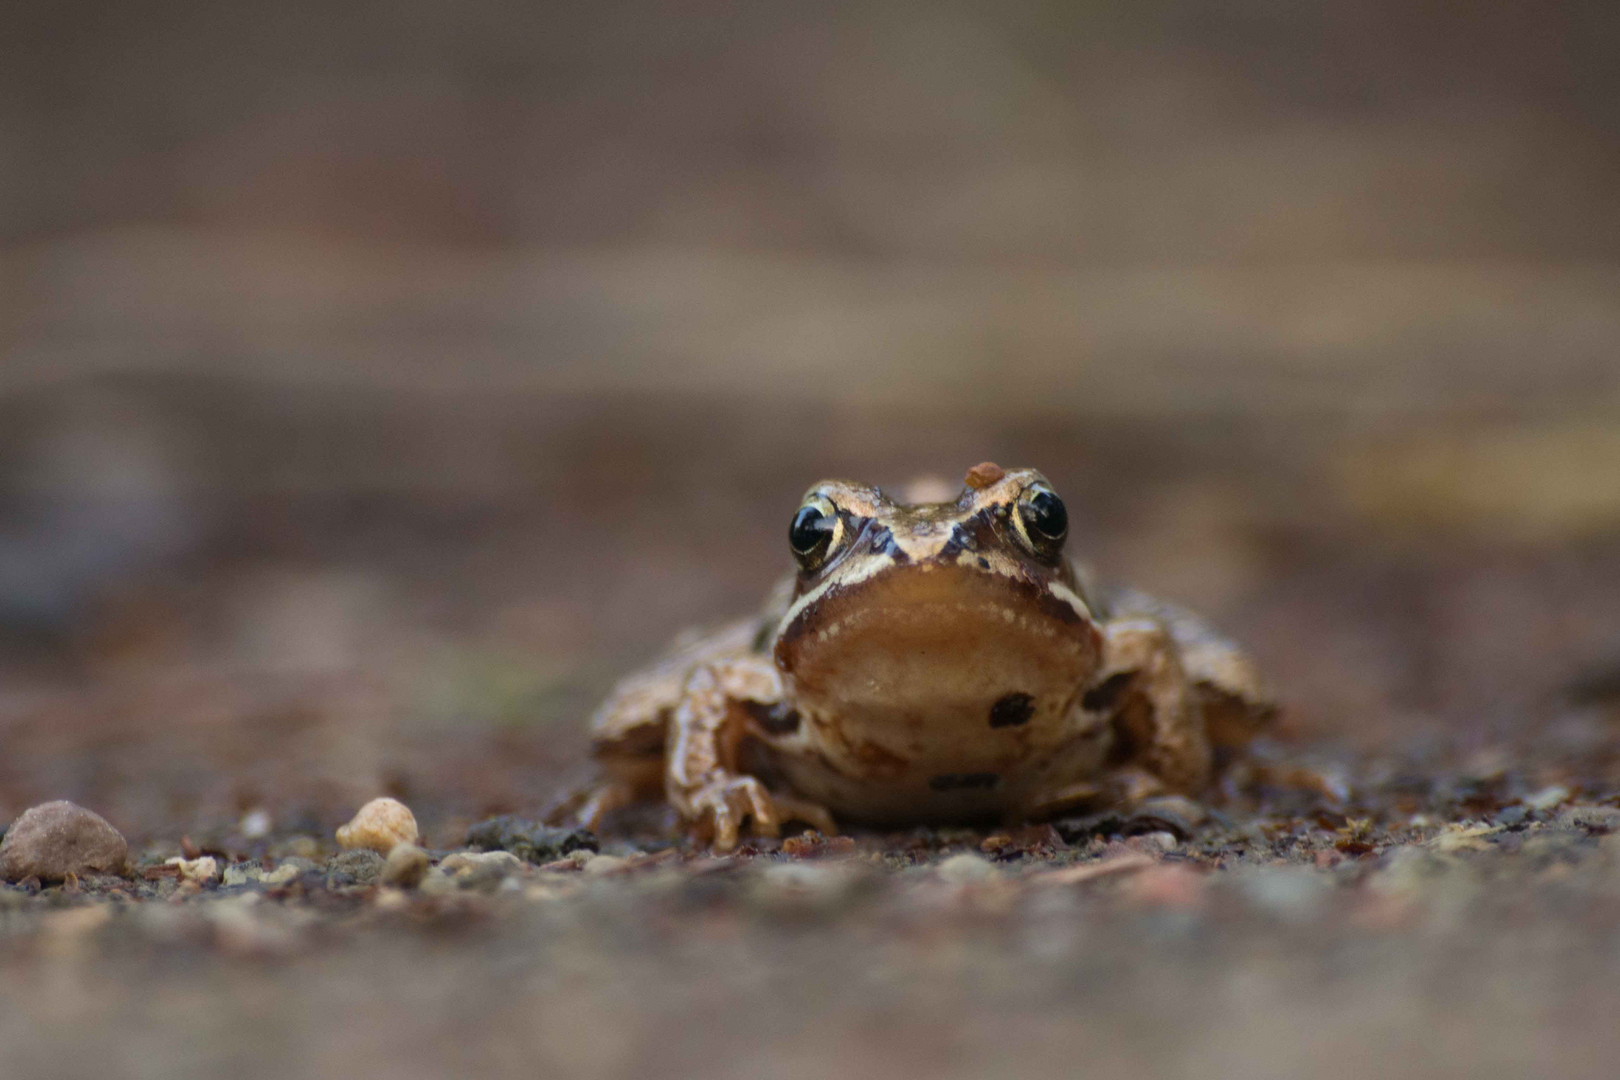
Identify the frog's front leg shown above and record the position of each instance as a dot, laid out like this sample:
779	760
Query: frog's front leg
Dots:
1160	738
702	779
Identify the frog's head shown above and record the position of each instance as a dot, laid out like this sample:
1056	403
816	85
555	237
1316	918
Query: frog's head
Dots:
967	608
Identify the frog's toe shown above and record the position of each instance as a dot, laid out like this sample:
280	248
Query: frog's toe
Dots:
812	814
723	809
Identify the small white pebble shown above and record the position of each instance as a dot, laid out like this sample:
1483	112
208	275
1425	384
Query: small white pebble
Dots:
966	868
1548	797
202	870
378	826
256	824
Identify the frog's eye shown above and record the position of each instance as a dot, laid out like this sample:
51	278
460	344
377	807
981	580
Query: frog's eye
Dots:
1042	521
815	533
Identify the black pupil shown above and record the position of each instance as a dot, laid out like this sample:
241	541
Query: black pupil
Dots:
1045	513
810	530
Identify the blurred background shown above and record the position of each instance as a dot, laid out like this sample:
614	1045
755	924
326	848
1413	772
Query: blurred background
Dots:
379	381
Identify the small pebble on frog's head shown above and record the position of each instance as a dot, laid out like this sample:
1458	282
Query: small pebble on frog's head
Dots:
983	475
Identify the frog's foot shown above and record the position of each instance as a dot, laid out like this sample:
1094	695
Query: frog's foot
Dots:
586	804
1132	787
1248	776
1123	790
1069	799
597	802
720	809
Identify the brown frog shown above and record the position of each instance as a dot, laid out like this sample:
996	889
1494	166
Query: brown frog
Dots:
927	663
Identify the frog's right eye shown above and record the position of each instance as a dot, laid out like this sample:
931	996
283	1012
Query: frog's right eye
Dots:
815	533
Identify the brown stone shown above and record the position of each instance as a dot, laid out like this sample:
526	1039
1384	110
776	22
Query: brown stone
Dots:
56	839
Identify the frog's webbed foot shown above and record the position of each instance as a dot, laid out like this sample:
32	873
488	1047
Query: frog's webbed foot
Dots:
721	809
702	778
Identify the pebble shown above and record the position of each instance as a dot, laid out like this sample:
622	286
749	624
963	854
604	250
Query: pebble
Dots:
966	868
203	870
406	866
55	839
480	869
287	871
361	866
297	847
438	883
378	826
1548	797
240	874
1161	841
531	841
1586	816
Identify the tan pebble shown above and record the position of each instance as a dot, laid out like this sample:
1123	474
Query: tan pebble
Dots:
389	898
57	839
202	870
438	883
407	865
378	826
282	874
303	847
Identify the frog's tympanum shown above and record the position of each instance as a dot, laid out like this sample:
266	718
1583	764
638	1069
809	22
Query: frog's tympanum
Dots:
929	663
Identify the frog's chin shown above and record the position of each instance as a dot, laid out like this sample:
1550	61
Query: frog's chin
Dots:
939	648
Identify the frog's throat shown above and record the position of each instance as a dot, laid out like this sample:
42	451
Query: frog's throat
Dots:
1051	598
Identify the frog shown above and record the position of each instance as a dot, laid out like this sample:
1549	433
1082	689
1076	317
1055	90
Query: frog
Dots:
926	663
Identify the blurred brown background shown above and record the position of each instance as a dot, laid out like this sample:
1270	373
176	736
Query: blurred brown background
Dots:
378	381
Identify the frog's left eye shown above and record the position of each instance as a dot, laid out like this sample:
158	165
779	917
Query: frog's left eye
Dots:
815	533
1042	521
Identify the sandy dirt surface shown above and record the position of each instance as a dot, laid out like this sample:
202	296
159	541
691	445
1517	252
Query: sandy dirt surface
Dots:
1418	876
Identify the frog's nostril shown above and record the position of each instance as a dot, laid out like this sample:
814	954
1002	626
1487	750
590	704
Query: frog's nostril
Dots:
1012	710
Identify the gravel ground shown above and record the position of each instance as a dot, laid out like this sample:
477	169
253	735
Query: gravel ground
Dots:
1419	877
1441	921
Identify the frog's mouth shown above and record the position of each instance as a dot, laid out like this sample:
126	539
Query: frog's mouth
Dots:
933	647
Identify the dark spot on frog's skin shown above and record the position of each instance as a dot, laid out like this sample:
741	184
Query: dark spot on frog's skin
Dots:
1012	710
1105	695
959	542
775	719
883	543
961	781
